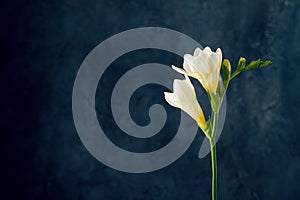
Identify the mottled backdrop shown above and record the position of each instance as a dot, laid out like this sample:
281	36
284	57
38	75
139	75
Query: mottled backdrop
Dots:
43	44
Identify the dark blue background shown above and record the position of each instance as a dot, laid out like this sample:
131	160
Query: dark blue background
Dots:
42	46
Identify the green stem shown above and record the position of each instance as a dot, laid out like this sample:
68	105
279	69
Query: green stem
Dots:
234	74
215	124
214	172
213	154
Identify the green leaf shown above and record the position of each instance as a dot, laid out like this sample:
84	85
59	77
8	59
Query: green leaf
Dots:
255	64
226	71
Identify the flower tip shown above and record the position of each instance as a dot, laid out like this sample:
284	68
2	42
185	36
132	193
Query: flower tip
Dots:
179	70
207	48
197	51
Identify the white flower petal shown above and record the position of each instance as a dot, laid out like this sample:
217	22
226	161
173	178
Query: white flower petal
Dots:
198	69
219	53
172	99
181	71
204	56
200	65
188	57
193	64
189	65
183	89
184	97
203	65
185	92
207	50
197	51
213	61
214	84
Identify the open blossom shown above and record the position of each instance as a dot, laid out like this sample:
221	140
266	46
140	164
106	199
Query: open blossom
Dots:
205	66
184	97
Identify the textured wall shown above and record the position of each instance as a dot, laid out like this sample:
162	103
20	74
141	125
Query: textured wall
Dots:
43	44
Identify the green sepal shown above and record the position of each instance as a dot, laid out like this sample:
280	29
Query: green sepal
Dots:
215	100
206	130
207	127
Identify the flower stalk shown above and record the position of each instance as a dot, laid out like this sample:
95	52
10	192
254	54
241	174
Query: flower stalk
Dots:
213	153
214	174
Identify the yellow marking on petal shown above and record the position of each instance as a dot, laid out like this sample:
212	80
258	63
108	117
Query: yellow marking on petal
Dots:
201	118
201	121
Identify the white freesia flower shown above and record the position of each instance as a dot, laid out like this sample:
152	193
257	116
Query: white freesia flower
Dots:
205	66
184	97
